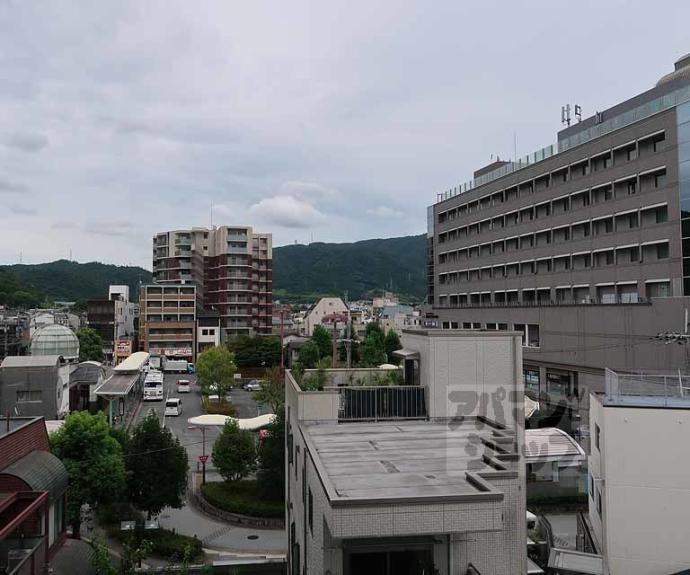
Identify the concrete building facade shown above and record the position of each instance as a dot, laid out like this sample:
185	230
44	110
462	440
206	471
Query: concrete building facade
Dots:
579	246
167	324
325	307
231	268
416	477
639	476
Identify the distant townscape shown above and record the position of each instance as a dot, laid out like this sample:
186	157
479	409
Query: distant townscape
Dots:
508	394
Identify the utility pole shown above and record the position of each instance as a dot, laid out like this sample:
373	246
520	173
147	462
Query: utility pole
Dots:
282	349
348	341
335	340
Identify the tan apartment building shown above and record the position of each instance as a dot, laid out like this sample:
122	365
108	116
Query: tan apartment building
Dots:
231	267
423	477
167	322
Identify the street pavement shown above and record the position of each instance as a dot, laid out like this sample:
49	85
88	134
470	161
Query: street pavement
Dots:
214	534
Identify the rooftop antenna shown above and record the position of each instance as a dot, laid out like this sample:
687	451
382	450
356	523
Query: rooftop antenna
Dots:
578	113
565	114
21	257
514	146
211	215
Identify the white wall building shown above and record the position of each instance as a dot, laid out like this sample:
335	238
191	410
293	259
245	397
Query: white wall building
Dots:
324	307
639	474
406	478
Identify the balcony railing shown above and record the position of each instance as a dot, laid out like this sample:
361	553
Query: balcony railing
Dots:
379	403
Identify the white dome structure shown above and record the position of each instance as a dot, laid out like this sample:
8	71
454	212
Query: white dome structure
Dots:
55	339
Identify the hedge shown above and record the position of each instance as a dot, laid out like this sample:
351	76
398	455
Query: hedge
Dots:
243	497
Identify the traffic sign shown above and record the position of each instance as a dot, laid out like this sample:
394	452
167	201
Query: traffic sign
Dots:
203	458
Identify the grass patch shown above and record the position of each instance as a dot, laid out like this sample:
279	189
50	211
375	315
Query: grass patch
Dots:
243	497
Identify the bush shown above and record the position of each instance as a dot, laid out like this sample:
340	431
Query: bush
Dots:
243	497
164	543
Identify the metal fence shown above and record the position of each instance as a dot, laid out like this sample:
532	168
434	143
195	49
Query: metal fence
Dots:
382	403
663	386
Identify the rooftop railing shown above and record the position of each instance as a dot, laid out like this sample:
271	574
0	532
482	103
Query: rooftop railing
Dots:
663	389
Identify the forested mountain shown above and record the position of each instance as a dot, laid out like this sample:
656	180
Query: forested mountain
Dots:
300	272
361	268
63	280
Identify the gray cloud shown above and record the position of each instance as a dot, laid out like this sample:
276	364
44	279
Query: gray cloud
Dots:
10	187
109	228
22	210
27	141
63	225
385	212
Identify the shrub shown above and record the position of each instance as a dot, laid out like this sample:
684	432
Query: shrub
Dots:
243	497
164	543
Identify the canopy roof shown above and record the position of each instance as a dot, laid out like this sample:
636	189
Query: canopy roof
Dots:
119	384
250	424
41	471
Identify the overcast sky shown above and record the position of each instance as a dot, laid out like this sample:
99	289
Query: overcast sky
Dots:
331	121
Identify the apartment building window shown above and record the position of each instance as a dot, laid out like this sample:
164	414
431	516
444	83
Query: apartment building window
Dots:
631	187
502	327
662	251
466	325
658	289
661	215
491	326
597	436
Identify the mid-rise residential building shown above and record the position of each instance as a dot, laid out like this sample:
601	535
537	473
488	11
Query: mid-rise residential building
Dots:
423	477
167	321
231	268
579	246
639	473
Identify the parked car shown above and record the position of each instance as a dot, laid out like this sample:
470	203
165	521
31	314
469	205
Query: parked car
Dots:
253	385
183	386
173	406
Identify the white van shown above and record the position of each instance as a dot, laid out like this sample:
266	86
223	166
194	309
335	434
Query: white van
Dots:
173	406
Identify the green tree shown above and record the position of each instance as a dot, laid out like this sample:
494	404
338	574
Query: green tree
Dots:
271	472
157	467
94	461
373	347
215	366
323	340
391	344
234	452
272	392
309	355
257	351
90	345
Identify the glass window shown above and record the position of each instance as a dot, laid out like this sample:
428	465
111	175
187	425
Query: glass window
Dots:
683	113
686	266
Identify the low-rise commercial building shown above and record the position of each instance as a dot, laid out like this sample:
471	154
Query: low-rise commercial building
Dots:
428	475
113	318
33	483
639	473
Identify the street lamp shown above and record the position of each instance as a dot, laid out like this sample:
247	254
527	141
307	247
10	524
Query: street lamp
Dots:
203	457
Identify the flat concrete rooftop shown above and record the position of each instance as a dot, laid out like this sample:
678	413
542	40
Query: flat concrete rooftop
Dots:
411	461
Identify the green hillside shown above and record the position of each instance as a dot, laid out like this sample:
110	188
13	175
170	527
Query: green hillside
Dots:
300	273
63	280
361	268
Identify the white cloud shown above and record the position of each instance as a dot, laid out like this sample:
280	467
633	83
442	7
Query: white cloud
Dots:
21	210
287	212
385	212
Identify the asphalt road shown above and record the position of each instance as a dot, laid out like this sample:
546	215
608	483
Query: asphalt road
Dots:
214	534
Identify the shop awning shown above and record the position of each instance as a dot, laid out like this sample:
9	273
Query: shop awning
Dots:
117	385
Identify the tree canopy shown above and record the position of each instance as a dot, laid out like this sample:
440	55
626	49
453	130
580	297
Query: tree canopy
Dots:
215	366
392	343
323	340
271	472
156	466
256	351
373	347
272	392
90	345
94	461
234	452
309	355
